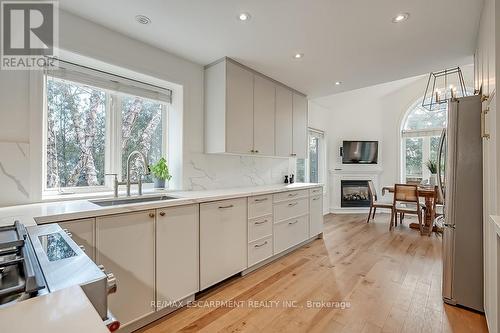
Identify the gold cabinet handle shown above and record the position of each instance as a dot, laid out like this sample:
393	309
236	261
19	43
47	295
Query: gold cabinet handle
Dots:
224	207
292	204
162	213
261	222
293	222
151	215
260	200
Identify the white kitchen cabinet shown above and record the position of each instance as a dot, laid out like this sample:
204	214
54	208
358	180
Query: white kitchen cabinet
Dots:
83	233
299	142
125	246
223	240
315	215
284	121
290	233
263	121
239	109
249	113
260	205
177	248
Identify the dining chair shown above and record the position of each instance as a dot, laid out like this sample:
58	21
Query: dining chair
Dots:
406	201
375	203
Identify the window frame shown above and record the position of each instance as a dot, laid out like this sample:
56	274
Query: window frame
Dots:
425	133
113	157
322	159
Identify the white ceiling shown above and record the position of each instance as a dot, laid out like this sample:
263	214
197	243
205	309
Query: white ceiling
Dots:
353	41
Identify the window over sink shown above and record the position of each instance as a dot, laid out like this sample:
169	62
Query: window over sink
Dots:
93	121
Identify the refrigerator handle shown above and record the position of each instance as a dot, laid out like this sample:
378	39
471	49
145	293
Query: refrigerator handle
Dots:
439	166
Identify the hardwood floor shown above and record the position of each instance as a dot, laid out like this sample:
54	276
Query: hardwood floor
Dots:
389	282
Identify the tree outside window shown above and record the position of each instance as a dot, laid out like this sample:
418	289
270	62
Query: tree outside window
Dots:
91	131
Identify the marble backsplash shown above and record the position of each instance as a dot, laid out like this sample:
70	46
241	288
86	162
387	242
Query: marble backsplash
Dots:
14	173
215	171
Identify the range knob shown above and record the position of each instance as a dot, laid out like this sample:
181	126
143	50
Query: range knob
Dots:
111	281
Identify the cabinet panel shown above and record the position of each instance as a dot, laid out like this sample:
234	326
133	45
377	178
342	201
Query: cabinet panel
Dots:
289	209
315	215
83	232
299	126
223	240
239	109
290	233
260	250
263	122
177	241
260	227
290	195
284	123
260	205
125	246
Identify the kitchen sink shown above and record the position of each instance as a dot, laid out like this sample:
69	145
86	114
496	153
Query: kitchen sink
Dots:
128	201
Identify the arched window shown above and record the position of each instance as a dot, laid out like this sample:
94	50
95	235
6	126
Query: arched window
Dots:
420	133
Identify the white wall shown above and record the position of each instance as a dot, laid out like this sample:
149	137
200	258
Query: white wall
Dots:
318	118
487	60
375	113
80	36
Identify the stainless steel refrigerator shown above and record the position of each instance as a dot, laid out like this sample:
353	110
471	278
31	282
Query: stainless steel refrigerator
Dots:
460	180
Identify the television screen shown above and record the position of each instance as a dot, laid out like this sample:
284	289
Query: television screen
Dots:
360	152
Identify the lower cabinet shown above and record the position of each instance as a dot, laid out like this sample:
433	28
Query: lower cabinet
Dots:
315	215
125	246
290	233
177	241
223	240
83	233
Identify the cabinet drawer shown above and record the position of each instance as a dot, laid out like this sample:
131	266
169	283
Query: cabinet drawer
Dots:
290	195
290	233
260	250
260	227
288	209
315	191
260	205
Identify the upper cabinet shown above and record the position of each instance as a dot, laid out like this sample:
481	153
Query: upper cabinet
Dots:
249	113
299	134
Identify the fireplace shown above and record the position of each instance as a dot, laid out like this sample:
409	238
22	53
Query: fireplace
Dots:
354	193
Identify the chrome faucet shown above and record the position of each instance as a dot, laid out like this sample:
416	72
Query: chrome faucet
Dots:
128	182
139	179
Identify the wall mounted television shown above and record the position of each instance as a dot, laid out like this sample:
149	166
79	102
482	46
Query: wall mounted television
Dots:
359	152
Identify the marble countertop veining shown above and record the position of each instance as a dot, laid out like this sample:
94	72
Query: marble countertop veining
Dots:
56	211
66	310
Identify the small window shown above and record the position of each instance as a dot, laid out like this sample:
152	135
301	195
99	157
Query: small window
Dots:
313	168
92	128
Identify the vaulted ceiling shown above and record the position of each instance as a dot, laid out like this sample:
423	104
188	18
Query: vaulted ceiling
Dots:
353	41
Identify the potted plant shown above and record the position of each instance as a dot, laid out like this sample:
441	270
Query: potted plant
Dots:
432	166
160	173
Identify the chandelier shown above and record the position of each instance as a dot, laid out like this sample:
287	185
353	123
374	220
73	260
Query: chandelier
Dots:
443	86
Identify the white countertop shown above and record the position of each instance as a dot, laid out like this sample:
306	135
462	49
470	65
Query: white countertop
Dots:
67	310
48	212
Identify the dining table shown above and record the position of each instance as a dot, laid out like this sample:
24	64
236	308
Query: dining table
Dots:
428	193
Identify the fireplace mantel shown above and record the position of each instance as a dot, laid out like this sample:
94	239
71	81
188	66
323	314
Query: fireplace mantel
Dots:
351	172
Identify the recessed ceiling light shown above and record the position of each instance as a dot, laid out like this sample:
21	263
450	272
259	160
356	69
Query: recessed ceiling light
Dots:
298	55
244	17
142	19
338	83
400	17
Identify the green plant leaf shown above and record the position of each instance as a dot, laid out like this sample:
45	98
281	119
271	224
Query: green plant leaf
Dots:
160	170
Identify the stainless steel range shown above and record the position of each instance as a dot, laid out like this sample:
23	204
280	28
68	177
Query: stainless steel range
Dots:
42	259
